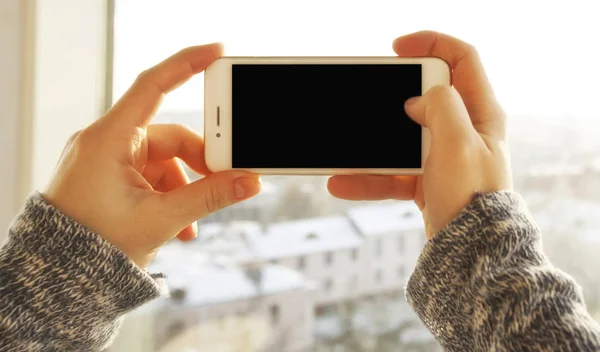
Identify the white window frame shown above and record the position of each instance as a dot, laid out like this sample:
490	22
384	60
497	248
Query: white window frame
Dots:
56	69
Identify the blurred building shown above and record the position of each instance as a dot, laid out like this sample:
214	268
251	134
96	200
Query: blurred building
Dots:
244	284
326	250
224	308
580	180
368	251
257	284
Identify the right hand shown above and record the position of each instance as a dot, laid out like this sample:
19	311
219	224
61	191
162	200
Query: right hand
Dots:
468	152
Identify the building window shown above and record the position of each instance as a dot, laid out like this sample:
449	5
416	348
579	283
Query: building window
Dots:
401	272
378	247
354	283
401	243
328	258
328	285
354	254
301	263
175	329
178	295
312	236
274	314
379	276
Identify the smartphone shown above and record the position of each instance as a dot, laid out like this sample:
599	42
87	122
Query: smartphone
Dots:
317	115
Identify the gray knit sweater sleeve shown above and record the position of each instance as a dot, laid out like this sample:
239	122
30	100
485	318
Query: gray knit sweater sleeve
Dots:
483	284
62	287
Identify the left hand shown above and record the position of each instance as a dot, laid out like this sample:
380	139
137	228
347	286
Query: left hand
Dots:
121	177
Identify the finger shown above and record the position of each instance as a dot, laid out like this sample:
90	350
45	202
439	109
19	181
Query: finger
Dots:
165	176
140	102
441	110
167	141
153	173
200	198
468	74
189	233
367	187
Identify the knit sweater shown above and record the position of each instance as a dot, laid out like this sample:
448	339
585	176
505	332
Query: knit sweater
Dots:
481	284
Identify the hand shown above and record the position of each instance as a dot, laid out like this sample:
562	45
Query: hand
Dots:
468	151
121	177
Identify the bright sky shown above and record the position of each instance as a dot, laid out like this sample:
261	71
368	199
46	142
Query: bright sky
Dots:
543	57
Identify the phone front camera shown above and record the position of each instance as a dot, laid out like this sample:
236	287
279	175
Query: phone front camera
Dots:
218	135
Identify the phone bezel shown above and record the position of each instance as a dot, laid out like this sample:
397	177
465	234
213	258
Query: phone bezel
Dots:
217	100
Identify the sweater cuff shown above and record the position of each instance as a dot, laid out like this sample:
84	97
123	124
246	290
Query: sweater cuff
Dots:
80	261
445	269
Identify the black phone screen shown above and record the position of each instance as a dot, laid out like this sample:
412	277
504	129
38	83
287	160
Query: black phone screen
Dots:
324	116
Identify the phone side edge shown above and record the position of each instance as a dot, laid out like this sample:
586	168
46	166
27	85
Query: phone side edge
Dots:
436	71
217	129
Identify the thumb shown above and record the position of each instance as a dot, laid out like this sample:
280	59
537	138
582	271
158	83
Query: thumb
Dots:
443	112
200	198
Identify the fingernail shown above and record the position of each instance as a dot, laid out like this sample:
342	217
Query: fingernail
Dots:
246	187
411	101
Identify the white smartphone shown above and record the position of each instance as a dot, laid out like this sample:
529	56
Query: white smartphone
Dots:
317	115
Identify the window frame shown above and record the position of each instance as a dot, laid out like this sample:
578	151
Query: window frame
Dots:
379	247
401	243
329	258
354	254
328	285
274	314
46	91
379	276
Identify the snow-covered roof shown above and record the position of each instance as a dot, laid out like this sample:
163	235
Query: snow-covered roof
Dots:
210	284
230	229
386	218
300	237
215	242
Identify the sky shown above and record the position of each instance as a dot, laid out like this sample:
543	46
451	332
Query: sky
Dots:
542	57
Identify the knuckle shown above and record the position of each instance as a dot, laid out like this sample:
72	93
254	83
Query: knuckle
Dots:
84	139
73	137
500	113
143	76
69	146
182	134
440	92
470	49
180	129
214	199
